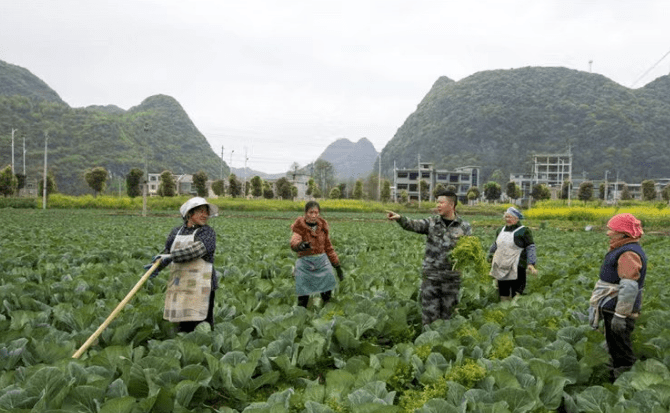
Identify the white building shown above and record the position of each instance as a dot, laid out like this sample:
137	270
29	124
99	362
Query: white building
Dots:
184	184
300	180
548	169
462	179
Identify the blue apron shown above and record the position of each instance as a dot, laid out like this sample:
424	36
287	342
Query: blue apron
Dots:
313	274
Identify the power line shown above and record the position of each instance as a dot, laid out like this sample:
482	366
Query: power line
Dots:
650	69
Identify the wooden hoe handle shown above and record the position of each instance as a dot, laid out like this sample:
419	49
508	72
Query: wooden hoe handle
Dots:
116	311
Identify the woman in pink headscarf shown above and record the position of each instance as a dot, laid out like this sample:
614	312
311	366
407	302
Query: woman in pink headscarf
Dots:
617	296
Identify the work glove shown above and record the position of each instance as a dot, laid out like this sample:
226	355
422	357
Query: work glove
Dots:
165	260
618	324
303	246
340	273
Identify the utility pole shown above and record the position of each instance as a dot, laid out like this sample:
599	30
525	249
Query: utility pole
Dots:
44	182
146	170
244	187
616	188
419	180
605	194
24	155
222	162
13	130
379	179
569	173
395	184
532	179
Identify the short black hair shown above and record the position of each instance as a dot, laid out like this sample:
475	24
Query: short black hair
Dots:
312	204
449	194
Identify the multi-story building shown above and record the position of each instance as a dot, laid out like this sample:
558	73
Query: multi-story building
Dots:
549	169
635	190
462	179
183	182
300	180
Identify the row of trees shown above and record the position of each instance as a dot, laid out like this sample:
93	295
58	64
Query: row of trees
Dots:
11	184
256	187
340	191
97	178
585	192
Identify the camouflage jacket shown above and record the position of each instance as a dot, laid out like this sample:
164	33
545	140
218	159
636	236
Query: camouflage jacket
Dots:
440	240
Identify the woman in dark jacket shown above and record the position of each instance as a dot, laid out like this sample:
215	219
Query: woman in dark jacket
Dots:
512	253
316	256
189	252
617	295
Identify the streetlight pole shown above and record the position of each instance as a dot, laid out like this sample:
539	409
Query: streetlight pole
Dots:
146	170
616	189
13	130
24	155
419	179
569	173
44	181
244	187
379	179
222	162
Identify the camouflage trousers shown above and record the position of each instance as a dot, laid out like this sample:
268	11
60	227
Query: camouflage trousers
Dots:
439	296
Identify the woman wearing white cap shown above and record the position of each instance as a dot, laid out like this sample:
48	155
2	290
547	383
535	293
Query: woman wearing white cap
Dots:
512	253
189	251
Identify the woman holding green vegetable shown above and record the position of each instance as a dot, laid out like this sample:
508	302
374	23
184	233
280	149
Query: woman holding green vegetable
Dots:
316	256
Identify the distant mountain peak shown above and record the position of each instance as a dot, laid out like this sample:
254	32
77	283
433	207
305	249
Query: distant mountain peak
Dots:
18	81
350	160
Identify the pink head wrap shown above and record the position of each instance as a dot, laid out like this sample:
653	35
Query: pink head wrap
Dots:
626	223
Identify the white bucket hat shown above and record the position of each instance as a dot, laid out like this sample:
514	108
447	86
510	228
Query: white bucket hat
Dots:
196	202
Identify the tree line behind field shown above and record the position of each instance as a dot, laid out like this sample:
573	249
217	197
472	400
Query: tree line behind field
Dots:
97	179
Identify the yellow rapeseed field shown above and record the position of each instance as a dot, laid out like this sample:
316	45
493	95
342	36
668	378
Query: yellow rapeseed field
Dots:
652	214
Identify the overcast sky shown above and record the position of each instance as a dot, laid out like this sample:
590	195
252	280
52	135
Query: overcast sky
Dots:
281	80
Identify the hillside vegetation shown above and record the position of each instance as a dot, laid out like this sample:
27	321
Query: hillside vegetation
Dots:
107	136
494	119
498	119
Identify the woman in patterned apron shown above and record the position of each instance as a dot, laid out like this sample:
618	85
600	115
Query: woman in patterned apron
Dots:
316	256
189	252
513	252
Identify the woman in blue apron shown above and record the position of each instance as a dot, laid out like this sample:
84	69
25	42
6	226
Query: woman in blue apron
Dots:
316	256
189	252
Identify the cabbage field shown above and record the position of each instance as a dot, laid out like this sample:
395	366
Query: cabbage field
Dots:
62	272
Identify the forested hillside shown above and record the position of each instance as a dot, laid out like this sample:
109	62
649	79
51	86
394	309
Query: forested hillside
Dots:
15	80
498	119
107	136
494	119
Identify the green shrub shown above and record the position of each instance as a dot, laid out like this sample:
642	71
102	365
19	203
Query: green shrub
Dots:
18	203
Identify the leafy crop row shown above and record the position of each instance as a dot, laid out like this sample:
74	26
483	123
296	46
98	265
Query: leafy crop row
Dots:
62	272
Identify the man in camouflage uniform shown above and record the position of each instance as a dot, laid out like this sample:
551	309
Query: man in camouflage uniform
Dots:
440	286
